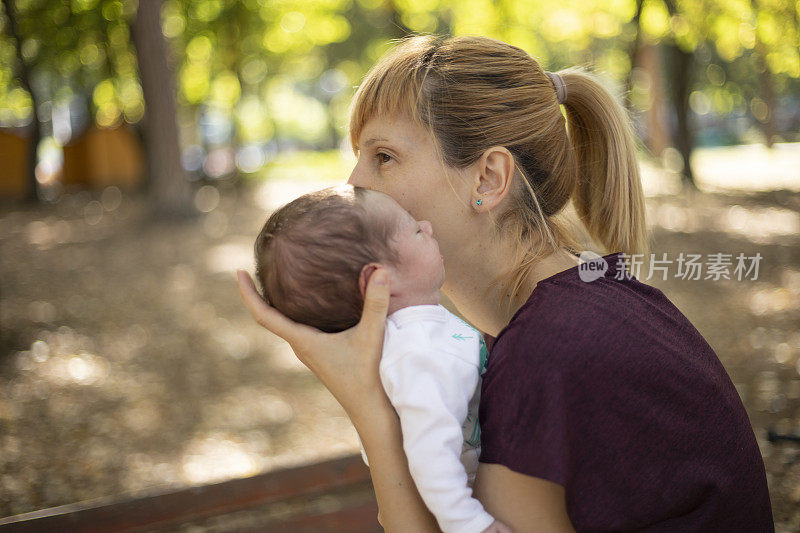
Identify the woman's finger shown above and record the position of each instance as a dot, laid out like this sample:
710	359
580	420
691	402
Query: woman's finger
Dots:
266	315
376	305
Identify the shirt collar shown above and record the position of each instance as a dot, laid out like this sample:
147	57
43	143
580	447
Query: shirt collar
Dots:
414	313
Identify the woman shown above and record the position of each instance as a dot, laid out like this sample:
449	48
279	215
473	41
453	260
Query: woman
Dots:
602	408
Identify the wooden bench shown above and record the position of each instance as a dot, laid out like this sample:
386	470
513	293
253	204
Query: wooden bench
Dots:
331	496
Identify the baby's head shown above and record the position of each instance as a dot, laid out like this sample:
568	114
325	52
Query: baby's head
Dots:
315	255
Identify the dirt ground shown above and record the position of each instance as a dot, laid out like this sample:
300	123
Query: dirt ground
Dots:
128	361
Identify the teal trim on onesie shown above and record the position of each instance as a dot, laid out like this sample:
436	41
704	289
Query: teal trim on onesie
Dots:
474	438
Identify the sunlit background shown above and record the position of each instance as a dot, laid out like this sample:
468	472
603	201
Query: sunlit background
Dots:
127	360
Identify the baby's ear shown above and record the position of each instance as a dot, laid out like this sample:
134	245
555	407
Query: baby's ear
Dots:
363	277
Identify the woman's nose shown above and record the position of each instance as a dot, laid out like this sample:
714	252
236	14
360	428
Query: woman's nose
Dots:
356	178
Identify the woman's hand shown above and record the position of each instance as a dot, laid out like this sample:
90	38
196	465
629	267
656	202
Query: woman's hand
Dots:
497	527
345	362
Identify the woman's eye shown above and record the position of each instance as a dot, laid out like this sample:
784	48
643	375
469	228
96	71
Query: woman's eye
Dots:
383	157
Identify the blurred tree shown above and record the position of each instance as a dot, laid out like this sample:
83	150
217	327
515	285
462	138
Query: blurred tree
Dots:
766	31
25	81
679	72
169	189
645	61
767	85
80	65
80	51
255	75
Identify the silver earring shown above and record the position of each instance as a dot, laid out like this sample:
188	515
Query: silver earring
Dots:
480	202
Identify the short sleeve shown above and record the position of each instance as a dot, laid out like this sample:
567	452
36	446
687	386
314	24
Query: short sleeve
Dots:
523	414
608	390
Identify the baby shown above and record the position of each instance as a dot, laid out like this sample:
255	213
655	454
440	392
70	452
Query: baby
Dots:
314	257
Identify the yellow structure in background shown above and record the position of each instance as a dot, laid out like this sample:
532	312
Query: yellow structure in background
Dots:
100	157
13	165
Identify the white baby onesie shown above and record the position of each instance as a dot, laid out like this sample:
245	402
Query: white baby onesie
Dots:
430	369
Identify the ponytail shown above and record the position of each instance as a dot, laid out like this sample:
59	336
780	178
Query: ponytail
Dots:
608	195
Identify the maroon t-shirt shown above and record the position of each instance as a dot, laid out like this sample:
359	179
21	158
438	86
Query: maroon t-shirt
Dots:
605	388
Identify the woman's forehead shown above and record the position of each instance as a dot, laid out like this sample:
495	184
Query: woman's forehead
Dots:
399	129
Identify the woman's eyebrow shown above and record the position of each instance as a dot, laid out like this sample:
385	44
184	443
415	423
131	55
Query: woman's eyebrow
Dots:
399	144
374	140
370	141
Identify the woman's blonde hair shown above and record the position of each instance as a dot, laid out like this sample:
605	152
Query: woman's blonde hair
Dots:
475	92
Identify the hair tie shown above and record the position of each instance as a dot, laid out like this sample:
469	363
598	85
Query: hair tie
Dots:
560	86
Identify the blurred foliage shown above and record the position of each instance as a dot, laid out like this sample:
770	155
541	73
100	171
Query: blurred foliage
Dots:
317	166
82	47
285	71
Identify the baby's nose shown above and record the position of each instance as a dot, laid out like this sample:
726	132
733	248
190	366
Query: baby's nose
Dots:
427	227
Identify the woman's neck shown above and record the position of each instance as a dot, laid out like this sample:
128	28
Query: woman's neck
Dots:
488	307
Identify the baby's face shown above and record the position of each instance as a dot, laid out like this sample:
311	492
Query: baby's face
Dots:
421	266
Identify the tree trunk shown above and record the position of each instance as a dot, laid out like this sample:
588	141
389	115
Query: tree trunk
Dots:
32	193
633	51
680	63
767	94
680	87
647	57
658	138
767	87
168	187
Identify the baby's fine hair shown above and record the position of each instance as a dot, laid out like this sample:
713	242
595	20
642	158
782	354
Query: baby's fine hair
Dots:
310	253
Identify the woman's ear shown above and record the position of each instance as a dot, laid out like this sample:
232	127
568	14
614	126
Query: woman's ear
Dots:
494	176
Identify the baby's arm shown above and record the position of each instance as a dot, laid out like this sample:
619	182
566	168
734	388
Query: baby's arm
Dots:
430	392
